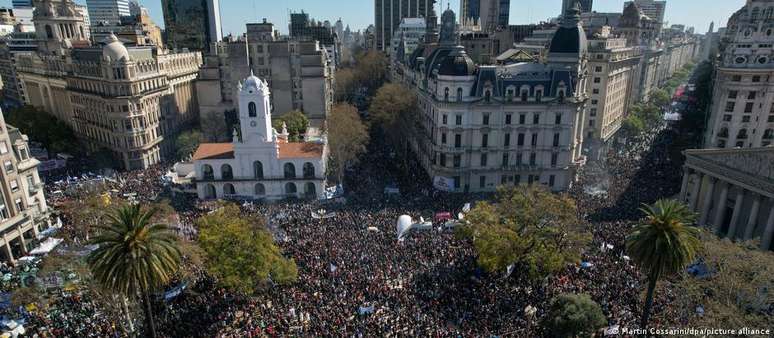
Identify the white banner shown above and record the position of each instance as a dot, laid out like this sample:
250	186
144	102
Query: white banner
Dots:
443	183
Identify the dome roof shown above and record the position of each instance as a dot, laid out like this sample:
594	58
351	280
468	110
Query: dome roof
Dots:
457	63
253	83
570	37
114	50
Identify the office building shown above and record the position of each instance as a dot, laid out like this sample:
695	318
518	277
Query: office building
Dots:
653	9
742	110
260	163
133	30
194	25
10	46
107	11
23	208
132	101
486	126
389	13
410	33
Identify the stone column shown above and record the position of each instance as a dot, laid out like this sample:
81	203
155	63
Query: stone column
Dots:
738	203
22	241
8	251
753	220
684	186
720	212
766	239
704	215
698	179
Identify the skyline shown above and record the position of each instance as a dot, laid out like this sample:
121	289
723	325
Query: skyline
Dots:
234	17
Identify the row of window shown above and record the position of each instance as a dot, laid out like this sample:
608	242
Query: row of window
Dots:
506	179
227	172
485	119
259	189
520	137
506	160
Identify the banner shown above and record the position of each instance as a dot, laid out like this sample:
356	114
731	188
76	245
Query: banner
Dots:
443	183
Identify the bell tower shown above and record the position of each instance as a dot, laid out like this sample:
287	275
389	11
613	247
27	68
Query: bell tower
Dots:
255	111
57	24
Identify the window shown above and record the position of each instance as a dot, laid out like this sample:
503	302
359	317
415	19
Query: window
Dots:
19	204
594	102
485	119
3	147
556	139
457	182
746	118
226	172
484	160
736	78
506	159
457	140
751	95
457	161
519	158
524	95
208	172
558	119
458	120
459	94
507	140
756	78
748	107
551	180
727	118
771	118
732	94
520	140
517	179
446	94
591	123
595	91
14	185
253	111
536	118
289	170
49	32
593	112
742	134
532	159
508	119
522	118
597	80
290	188
534	139
8	166
308	170
538	95
482	182
445	119
554	159
260	189
730	107
258	170
598	69
443	138
484	140
442	160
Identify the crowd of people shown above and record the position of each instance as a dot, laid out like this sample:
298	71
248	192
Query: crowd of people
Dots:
357	279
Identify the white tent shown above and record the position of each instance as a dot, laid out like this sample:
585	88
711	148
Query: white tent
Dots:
404	225
46	246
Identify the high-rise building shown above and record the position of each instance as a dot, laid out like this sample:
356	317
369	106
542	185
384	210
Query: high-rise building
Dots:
470	12
653	9
192	24
388	14
23	208
489	15
107	11
585	5
742	111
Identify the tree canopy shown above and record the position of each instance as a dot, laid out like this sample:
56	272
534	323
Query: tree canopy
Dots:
42	127
187	143
574	315
241	252
296	122
347	137
529	227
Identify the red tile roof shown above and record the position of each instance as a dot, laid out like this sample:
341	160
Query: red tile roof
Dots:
214	151
300	150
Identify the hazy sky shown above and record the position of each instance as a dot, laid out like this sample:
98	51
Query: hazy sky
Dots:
360	13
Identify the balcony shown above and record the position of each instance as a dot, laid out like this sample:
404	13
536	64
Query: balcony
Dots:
210	179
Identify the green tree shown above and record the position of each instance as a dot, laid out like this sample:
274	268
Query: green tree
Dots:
187	143
633	125
346	85
241	252
660	97
731	295
296	122
664	243
574	315
395	112
529	227
371	71
347	137
134	257
42	127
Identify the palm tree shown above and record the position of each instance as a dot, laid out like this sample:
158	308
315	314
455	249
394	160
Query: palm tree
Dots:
663	243
134	257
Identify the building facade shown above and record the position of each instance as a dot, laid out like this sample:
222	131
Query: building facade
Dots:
130	101
614	73
260	163
192	24
388	14
480	127
495	14
742	110
10	46
23	208
410	33
585	5
299	73
107	11
732	190
653	9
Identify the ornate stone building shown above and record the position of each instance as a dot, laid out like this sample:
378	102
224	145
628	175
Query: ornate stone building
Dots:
260	163
23	208
732	190
742	111
131	101
484	126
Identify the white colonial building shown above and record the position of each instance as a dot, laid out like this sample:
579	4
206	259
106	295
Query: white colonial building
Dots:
260	163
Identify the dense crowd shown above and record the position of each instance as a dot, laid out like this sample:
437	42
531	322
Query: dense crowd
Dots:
359	282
